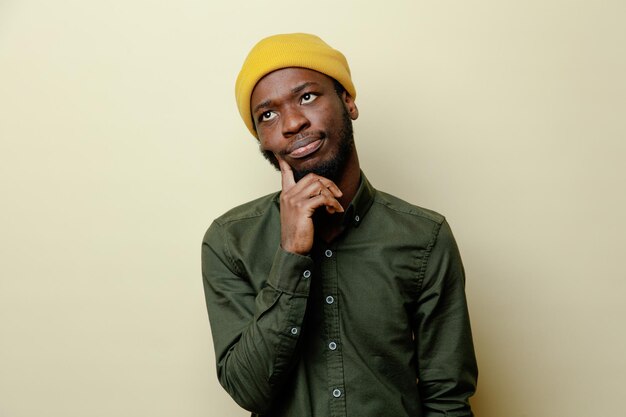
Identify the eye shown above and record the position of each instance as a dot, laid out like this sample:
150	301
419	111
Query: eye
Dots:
307	98
265	116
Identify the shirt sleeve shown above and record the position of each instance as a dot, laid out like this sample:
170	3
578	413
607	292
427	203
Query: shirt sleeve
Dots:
255	332
446	363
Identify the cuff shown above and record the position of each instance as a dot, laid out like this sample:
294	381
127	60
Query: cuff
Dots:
291	273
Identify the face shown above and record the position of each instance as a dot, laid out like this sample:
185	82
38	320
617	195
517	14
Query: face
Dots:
299	116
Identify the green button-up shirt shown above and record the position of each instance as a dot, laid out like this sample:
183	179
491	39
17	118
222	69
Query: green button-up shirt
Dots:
374	323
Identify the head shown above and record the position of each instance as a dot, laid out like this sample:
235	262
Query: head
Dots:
337	131
295	94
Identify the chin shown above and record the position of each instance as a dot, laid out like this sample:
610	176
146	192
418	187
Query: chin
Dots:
330	169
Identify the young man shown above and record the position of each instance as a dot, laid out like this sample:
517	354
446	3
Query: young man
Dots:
331	298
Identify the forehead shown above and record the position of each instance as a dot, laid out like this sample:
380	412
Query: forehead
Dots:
282	82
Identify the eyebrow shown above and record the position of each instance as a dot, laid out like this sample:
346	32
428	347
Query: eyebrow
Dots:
294	90
266	103
302	87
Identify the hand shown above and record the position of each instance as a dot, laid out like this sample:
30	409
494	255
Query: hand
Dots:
298	202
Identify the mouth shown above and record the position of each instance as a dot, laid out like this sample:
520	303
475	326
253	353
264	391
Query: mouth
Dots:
304	148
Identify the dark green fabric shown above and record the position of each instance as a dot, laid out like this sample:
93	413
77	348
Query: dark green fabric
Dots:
373	324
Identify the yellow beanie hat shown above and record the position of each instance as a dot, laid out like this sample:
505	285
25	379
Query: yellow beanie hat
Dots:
284	51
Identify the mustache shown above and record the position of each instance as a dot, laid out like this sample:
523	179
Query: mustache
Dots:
302	139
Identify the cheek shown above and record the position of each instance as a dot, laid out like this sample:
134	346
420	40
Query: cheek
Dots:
267	142
269	135
324	120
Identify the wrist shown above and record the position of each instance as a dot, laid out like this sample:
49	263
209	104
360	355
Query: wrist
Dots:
297	249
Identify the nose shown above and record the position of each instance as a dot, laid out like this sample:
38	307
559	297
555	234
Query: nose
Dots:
294	121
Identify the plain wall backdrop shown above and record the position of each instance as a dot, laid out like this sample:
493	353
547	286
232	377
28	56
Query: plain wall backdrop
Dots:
120	142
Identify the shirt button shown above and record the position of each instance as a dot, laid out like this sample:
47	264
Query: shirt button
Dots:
306	273
294	330
330	299
336	393
328	253
332	346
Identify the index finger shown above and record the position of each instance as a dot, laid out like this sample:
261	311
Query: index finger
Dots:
286	173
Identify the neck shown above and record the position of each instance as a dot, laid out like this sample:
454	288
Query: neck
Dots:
350	180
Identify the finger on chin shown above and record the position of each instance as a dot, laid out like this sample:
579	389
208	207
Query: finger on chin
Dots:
286	173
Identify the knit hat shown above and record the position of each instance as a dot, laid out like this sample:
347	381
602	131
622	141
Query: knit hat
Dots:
283	51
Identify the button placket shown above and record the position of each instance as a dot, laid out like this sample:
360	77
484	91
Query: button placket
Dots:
331	316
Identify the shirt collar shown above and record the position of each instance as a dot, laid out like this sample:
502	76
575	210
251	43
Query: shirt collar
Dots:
360	204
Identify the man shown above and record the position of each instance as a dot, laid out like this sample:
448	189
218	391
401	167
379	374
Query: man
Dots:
330	298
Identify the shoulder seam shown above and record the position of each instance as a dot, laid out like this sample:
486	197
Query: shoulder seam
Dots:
227	252
224	221
411	212
422	271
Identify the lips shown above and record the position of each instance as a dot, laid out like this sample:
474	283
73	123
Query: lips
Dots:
304	147
306	150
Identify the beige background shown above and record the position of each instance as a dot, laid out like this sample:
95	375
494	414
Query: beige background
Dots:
120	142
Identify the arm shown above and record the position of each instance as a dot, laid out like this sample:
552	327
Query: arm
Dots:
255	345
446	364
256	335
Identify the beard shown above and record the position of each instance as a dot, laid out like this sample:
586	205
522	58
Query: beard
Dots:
332	169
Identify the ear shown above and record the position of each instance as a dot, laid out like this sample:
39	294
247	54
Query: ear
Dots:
350	105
